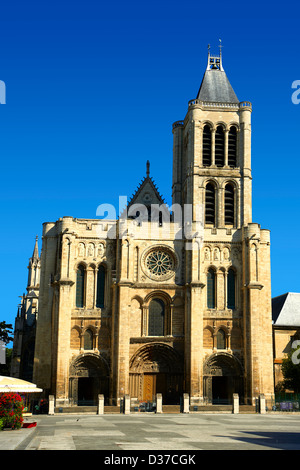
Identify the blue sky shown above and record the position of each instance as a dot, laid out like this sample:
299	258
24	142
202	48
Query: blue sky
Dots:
93	89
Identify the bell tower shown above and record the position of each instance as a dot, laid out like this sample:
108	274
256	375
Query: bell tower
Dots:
213	145
228	286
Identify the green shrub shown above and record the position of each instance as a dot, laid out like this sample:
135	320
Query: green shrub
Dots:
11	407
1	424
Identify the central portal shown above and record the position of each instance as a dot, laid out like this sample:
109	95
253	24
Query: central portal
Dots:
156	368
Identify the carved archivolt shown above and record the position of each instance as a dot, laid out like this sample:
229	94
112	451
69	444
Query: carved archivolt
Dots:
156	358
89	365
223	365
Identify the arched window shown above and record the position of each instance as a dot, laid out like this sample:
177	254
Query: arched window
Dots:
210	204
206	144
221	339
211	289
219	147
232	146
229	204
231	289
100	287
80	287
88	340
156	319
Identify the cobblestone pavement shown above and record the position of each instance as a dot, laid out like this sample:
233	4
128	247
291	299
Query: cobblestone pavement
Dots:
153	432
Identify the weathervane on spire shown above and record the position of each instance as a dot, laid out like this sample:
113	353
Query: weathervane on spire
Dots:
220	46
148	168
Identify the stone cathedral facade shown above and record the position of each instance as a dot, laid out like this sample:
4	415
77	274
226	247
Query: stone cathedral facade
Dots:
138	306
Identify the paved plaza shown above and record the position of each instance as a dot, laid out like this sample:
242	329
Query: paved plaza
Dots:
154	432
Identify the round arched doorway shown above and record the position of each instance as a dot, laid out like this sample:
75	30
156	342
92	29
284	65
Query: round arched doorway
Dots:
89	377
222	377
156	368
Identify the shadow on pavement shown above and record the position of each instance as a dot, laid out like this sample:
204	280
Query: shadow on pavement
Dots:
276	440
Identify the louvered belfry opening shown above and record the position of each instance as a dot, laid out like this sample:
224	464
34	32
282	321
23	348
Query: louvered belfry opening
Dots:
229	204
232	147
206	156
219	146
210	204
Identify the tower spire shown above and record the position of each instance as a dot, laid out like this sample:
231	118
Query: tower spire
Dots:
35	255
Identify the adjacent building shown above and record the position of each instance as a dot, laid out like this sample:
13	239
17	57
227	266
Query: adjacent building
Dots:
286	329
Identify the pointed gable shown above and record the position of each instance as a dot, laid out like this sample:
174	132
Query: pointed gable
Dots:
146	194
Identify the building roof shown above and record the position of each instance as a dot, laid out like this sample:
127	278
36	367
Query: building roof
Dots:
286	309
215	86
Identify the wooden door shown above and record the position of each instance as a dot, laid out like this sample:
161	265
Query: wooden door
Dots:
149	387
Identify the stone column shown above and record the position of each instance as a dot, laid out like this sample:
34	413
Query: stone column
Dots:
90	288
213	138
63	341
196	343
226	146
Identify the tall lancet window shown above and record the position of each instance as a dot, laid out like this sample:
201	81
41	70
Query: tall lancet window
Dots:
229	204
221	339
210	204
206	146
100	287
231	289
156	320
219	146
211	289
232	146
80	286
88	340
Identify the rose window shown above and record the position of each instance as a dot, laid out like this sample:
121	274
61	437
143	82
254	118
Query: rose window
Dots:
160	264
